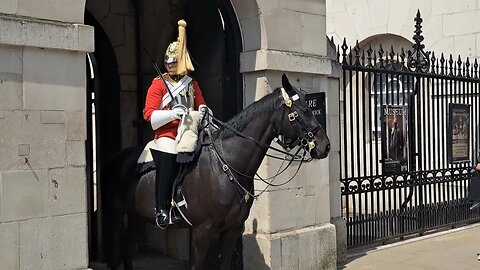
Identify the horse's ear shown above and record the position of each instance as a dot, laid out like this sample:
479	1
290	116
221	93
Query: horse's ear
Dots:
285	83
287	86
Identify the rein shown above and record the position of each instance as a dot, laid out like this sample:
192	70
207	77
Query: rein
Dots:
246	137
305	140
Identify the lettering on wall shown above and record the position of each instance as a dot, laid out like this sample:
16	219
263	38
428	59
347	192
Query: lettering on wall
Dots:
316	102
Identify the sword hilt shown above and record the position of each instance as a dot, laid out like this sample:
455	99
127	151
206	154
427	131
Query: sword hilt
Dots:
475	205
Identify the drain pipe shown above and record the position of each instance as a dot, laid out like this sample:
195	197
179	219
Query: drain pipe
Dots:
139	123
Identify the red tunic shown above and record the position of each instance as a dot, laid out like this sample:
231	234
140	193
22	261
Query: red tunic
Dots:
152	103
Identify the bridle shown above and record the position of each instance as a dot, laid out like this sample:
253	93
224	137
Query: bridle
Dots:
305	139
305	133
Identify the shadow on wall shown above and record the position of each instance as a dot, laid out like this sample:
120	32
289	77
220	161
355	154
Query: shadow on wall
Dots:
253	257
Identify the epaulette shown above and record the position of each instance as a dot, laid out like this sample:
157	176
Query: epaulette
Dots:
158	77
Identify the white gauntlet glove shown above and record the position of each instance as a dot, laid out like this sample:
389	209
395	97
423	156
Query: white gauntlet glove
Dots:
176	113
160	118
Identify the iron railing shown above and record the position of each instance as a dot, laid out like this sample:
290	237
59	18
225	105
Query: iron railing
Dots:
420	188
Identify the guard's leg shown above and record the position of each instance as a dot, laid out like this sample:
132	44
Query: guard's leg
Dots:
166	170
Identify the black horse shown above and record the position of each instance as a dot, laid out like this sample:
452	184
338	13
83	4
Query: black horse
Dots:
219	184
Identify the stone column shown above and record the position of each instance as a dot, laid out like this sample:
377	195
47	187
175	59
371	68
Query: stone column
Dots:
43	219
289	226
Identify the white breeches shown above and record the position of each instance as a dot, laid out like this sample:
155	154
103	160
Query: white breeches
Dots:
166	144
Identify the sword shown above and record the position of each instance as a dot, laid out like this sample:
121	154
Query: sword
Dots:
475	205
157	69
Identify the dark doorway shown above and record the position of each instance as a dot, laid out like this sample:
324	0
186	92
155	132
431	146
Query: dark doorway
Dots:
103	125
214	41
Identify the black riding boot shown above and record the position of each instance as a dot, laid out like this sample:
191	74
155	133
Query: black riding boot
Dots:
166	171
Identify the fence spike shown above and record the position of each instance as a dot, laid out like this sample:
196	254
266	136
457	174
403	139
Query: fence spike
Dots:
356	50
450	68
475	67
459	66
392	55
380	56
433	63
369	56
344	51
442	65
467	68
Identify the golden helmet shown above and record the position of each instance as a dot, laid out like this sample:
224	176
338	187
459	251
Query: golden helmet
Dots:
171	55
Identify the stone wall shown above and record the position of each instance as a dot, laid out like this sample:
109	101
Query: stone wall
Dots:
447	25
43	219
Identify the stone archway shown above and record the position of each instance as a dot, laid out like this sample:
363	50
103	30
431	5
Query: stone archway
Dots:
214	41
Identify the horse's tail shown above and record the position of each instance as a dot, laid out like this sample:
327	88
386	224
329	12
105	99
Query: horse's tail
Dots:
117	175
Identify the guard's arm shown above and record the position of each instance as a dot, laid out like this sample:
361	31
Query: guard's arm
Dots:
160	118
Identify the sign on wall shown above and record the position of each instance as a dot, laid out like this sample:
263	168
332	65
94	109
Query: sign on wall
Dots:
395	144
316	102
458	133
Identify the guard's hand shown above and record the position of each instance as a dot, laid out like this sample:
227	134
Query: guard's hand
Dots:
203	109
477	167
176	113
205	114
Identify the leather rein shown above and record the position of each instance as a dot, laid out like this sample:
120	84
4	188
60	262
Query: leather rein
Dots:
305	139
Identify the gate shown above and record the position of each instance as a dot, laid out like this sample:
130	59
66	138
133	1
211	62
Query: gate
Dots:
408	140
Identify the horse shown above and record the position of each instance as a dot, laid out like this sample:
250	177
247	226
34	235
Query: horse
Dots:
218	184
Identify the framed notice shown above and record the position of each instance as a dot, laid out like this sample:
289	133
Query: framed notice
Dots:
316	102
458	133
395	151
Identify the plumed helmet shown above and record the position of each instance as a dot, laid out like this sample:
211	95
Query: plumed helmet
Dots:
177	51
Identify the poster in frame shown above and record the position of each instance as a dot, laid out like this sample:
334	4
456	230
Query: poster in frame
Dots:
458	133
395	141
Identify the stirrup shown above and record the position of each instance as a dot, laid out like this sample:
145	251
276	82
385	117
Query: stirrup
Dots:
162	218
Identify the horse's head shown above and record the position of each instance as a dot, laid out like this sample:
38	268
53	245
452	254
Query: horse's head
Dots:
297	124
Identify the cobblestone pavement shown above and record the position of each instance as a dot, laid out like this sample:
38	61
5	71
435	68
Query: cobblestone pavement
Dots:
449	250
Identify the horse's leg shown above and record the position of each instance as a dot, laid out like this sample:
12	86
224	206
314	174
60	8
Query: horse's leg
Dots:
228	241
201	237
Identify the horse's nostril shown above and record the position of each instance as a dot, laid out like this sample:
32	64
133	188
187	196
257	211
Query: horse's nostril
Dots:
327	147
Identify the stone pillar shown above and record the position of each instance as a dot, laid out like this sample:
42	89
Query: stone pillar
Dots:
334	157
290	226
43	218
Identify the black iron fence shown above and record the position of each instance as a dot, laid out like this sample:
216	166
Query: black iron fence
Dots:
409	138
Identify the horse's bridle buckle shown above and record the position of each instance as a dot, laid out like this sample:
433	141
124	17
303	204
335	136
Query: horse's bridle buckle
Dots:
311	145
288	103
292	116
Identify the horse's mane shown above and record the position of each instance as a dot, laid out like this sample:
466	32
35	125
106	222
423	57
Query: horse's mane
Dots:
265	105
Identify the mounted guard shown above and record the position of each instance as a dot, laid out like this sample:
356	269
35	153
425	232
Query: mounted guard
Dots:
170	99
